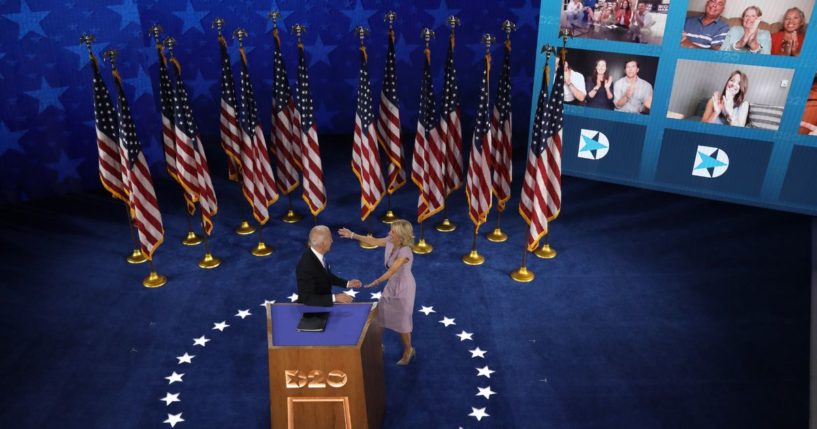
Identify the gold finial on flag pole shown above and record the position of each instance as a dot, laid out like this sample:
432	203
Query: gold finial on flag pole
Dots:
298	29
390	17
240	33
453	22
170	44
218	24
508	27
154	31
274	15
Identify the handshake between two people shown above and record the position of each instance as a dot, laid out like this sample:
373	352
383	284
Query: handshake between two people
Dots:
343	298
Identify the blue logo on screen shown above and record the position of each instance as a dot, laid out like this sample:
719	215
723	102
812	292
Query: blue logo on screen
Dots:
710	162
593	144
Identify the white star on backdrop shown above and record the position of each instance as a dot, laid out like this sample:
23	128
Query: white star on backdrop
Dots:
427	310
243	313
352	293
479	413
171	398
293	297
465	335
185	358
486	392
220	326
376	296
477	352
175	377
447	322
266	301
172	419
485	371
201	341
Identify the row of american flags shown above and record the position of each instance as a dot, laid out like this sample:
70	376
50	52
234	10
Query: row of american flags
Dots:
437	160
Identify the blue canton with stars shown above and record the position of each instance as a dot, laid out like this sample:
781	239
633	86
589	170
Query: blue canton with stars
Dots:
47	140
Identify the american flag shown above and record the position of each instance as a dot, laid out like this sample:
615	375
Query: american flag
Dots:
166	105
501	126
230	133
191	162
284	144
136	179
542	187
107	137
450	127
388	124
429	151
478	180
365	152
305	127
258	182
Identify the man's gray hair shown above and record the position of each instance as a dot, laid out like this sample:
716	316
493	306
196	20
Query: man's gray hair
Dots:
318	234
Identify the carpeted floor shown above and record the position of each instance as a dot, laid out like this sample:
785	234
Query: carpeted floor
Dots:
661	311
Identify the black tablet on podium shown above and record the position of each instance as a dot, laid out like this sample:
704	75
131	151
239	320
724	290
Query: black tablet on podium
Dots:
313	321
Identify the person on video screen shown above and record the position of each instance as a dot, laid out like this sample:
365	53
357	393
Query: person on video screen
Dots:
748	37
789	39
601	87
707	31
729	106
631	93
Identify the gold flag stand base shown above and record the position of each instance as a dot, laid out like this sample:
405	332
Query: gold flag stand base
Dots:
192	239
291	217
473	258
389	217
522	275
154	280
445	226
245	228
422	247
209	261
261	249
367	246
497	236
545	252
136	257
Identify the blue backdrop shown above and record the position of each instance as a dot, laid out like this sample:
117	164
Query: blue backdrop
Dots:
47	140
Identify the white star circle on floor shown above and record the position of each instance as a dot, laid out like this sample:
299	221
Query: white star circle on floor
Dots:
186	358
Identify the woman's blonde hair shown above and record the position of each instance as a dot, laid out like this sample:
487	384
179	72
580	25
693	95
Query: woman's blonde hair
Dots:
405	231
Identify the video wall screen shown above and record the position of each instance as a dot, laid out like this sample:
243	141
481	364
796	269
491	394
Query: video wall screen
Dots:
709	98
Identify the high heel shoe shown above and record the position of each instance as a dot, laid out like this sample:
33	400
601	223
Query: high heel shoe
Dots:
411	356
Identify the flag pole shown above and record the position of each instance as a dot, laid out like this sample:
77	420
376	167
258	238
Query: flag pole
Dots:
390	217
261	249
473	257
546	251
154	279
208	261
191	239
522	274
497	235
291	216
136	257
446	225
422	247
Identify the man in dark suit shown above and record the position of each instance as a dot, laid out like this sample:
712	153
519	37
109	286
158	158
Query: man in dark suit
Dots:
314	275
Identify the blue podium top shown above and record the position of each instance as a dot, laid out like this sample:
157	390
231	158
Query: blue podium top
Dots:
343	327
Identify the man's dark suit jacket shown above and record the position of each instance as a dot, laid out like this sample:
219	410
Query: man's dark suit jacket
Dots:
315	282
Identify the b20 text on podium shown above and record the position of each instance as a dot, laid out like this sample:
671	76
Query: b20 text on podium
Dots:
325	380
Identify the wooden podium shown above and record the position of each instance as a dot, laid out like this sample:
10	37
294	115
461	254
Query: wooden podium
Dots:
325	380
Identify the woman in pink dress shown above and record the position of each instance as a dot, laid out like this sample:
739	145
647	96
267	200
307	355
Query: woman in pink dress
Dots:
396	307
